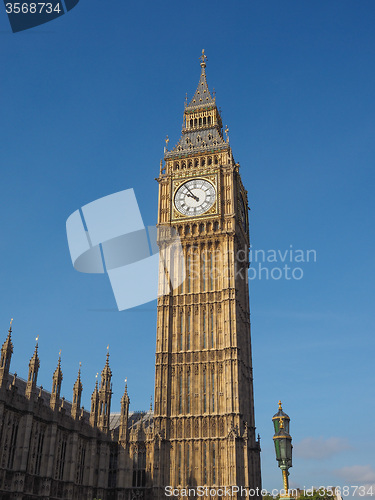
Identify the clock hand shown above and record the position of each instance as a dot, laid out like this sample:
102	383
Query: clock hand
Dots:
192	195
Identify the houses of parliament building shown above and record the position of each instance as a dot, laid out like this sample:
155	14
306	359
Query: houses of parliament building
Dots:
202	430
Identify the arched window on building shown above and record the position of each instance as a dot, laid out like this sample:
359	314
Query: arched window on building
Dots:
139	468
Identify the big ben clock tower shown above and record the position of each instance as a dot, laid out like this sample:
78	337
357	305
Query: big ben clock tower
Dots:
204	429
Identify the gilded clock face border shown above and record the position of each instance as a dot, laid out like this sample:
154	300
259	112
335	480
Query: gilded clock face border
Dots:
176	183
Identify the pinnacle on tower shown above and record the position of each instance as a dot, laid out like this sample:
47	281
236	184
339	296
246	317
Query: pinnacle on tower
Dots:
58	376
78	382
56	384
202	125
125	398
6	356
33	371
105	395
202	96
106	374
77	392
8	346
125	402
94	403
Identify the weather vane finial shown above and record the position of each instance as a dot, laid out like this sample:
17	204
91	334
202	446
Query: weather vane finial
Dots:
203	59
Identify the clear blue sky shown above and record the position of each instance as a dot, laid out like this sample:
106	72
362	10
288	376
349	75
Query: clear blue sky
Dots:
86	102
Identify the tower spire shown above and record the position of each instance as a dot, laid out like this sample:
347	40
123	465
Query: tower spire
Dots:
33	371
202	130
125	402
77	392
6	356
94	403
56	384
105	394
202	96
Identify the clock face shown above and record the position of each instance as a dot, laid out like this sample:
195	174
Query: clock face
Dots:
195	197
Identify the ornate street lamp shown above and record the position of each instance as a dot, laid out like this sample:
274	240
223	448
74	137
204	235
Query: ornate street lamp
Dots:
283	445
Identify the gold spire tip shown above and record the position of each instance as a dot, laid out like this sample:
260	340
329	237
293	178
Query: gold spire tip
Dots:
203	59
11	321
37	338
280	407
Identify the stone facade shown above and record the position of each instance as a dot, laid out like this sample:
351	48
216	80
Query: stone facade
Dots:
202	430
54	449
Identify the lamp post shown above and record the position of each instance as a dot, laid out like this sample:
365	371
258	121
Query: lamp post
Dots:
283	446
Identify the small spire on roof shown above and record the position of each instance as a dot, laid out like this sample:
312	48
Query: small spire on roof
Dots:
35	355
8	346
280	407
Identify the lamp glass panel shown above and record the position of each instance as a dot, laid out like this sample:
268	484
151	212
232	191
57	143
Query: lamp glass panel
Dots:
277	449
289	451
276	425
283	448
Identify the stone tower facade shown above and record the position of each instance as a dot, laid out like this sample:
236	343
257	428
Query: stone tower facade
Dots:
204	405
